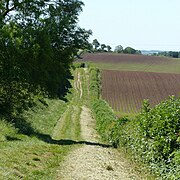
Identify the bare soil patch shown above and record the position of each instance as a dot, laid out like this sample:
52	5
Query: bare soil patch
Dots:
126	58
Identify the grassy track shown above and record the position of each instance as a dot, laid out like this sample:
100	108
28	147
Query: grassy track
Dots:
39	154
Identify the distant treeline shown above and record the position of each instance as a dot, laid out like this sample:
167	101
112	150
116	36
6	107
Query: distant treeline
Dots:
173	54
95	46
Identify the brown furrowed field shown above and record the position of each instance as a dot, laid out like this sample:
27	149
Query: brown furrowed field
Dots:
129	79
127	62
125	91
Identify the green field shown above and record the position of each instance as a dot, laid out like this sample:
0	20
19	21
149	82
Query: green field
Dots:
164	68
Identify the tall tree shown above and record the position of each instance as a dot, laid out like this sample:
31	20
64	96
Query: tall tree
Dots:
38	40
118	49
103	46
108	48
96	44
129	50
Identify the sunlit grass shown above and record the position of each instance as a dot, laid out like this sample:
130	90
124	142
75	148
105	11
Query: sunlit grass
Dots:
43	119
29	157
30	150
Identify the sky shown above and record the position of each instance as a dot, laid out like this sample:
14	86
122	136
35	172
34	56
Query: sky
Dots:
141	24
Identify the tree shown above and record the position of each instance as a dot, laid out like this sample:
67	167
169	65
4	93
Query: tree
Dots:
108	48
38	40
96	44
129	50
138	52
103	46
90	47
173	54
118	49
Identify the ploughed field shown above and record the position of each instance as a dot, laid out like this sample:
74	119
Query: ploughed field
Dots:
129	79
125	91
127	62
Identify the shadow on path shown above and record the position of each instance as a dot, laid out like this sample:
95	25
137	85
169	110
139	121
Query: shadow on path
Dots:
25	128
47	138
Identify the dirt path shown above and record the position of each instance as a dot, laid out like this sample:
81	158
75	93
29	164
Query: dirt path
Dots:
94	161
78	85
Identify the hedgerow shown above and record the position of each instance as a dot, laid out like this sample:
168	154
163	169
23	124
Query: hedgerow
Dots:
152	137
101	110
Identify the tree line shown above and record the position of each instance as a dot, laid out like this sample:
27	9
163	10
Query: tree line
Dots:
173	54
38	41
96	46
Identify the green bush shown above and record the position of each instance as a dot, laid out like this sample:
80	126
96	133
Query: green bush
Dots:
153	137
104	116
101	110
161	126
94	85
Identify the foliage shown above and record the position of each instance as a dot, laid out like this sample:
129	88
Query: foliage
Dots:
96	44
101	110
153	137
108	48
161	125
118	49
103	46
104	118
38	41
97	47
173	54
129	50
94	82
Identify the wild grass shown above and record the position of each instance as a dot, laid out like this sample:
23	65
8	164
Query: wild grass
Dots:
163	68
32	156
6	130
44	118
28	148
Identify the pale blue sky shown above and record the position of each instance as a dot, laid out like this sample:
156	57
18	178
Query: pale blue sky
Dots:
141	24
